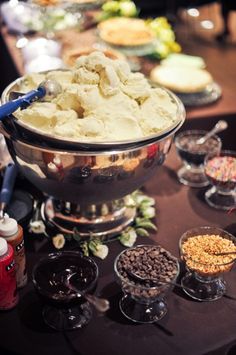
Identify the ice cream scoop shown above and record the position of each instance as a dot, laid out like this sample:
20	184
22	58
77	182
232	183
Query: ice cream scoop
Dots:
47	90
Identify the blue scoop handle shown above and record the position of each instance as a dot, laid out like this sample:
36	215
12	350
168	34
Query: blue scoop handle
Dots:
8	183
23	101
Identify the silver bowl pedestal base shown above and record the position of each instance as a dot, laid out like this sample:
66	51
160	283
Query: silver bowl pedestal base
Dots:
98	220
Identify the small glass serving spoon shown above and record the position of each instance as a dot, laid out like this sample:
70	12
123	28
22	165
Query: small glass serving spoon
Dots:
220	126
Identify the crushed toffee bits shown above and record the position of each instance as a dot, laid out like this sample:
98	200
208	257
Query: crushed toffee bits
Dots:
200	254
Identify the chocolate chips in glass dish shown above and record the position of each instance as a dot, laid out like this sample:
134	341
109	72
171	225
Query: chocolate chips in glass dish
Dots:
149	263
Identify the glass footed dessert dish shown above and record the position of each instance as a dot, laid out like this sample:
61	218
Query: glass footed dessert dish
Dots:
220	170
65	309
192	154
144	273
205	252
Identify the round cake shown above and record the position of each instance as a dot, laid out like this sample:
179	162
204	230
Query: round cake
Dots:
181	79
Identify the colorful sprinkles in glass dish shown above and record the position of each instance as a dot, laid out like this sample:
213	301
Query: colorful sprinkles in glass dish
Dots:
222	168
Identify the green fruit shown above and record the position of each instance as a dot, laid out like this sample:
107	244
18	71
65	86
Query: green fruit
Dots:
128	9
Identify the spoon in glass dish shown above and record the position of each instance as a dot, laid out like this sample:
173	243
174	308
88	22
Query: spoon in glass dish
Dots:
155	282
47	90
101	304
220	126
225	253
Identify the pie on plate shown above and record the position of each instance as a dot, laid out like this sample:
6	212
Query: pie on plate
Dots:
181	79
122	31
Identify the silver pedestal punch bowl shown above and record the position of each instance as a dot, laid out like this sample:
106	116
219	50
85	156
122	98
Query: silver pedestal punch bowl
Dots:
90	187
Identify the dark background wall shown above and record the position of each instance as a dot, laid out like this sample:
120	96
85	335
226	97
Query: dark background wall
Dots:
161	7
8	72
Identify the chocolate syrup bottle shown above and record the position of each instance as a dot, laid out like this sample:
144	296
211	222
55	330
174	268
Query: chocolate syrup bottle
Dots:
8	290
13	234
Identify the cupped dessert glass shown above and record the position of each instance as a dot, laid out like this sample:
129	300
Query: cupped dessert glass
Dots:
193	155
145	273
65	309
220	170
202	249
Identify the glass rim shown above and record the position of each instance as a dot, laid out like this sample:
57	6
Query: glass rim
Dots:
220	230
56	255
189	132
131	283
221	153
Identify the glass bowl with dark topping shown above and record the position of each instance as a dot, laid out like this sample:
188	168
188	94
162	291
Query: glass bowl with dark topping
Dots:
145	273
65	309
193	154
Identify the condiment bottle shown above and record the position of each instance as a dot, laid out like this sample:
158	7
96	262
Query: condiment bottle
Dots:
8	290
13	233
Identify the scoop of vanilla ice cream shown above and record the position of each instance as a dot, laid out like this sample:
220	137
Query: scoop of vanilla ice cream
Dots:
157	112
31	81
84	76
40	115
66	124
122	69
68	99
101	100
91	127
95	61
112	107
89	97
136	87
165	101
63	77
123	128
109	81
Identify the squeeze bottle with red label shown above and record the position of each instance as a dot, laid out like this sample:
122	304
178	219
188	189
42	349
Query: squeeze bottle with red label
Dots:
8	290
13	233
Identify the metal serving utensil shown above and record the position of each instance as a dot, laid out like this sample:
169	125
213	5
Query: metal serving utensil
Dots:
156	282
48	89
220	126
226	253
101	304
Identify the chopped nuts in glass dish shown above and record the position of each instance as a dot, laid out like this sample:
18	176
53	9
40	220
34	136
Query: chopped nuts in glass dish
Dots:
199	250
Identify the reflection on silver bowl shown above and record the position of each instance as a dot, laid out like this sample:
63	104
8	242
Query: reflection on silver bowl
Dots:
89	175
90	178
